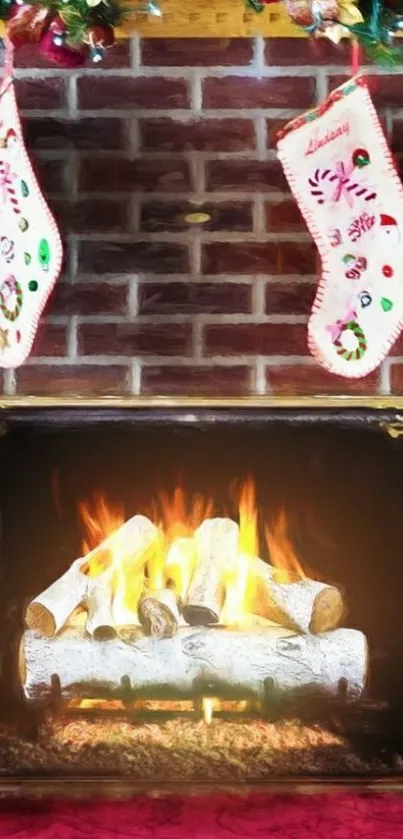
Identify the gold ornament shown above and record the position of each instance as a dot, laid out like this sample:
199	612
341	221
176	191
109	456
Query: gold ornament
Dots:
347	15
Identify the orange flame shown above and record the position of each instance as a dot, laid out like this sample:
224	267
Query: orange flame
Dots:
282	552
99	520
172	559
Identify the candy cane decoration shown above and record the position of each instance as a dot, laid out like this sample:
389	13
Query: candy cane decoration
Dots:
6	186
348	185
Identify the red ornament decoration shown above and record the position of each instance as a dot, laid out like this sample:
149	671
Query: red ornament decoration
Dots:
54	47
99	38
27	24
312	13
103	36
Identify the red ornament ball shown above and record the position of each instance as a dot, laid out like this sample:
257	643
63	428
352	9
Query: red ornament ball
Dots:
54	47
387	271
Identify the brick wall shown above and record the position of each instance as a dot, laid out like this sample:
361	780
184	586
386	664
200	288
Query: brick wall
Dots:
149	303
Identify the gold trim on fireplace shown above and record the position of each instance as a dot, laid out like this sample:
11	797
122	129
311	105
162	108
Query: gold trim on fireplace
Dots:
267	402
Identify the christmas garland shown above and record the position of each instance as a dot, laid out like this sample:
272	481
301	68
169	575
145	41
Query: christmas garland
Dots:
71	32
373	23
67	32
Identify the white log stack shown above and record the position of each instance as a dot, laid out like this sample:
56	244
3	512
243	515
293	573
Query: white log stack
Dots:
195	661
133	637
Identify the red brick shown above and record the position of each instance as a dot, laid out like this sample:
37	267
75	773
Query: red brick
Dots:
106	133
397	348
284	216
245	175
202	135
39	93
129	257
119	56
274	92
386	91
135	339
396	378
196	52
88	298
311	379
128	92
50	338
118	174
171	216
92	215
51	175
72	380
194	298
289	298
221	381
259	258
305	52
273	126
397	136
256	339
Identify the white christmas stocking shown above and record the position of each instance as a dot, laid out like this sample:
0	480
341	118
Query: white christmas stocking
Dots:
30	245
341	172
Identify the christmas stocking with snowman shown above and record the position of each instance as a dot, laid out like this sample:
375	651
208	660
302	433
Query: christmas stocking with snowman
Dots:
30	245
340	170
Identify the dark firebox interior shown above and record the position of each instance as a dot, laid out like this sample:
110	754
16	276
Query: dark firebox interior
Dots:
341	488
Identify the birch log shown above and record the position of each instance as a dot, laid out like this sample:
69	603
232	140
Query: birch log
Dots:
305	605
127	548
100	623
128	545
159	613
195	661
216	550
48	612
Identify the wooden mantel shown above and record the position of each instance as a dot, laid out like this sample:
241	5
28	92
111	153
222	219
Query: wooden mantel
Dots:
212	19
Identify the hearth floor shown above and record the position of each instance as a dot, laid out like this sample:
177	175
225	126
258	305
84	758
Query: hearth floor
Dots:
180	749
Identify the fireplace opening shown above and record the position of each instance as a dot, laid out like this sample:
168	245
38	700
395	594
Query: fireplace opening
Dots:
210	601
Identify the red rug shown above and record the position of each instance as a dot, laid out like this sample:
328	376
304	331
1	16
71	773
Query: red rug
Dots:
331	816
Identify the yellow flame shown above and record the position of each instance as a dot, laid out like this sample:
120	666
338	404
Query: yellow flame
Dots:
208	708
180	564
172	559
248	518
236	592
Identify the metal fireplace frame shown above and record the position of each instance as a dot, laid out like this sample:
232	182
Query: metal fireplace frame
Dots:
385	412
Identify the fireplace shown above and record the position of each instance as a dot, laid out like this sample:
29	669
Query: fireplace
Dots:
201	592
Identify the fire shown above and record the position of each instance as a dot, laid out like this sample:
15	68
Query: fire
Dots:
282	553
99	520
172	558
208	708
248	518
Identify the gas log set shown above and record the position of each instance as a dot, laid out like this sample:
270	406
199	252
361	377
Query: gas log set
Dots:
153	615
212	595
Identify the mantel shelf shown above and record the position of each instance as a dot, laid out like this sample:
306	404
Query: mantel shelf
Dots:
212	18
